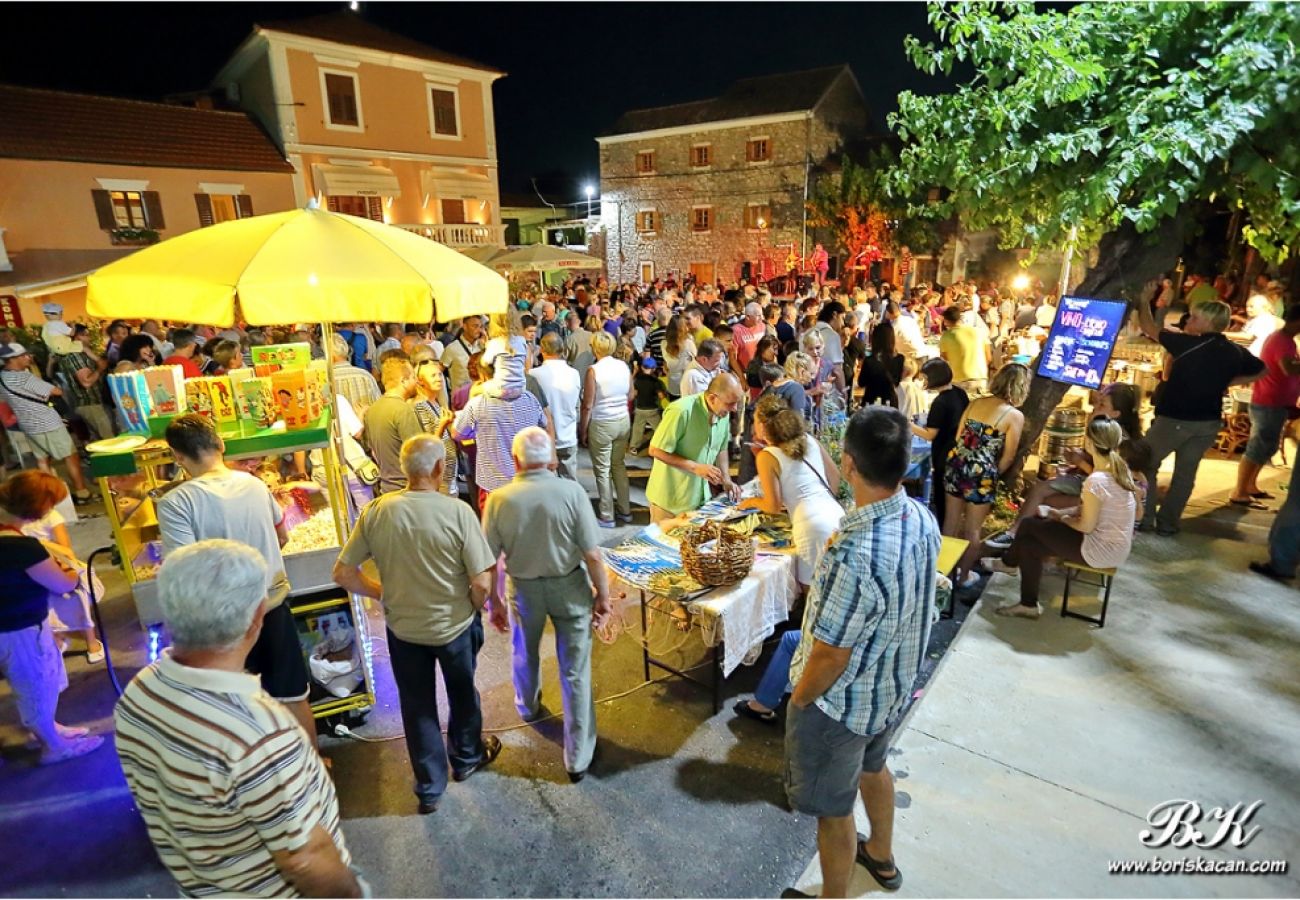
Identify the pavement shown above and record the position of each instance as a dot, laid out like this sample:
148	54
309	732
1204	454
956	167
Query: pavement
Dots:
1031	759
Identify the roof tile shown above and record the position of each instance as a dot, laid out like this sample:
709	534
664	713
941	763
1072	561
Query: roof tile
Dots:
345	27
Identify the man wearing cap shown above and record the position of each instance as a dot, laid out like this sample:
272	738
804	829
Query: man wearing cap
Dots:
39	422
689	449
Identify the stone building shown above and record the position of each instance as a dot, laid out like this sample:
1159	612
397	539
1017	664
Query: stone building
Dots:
717	187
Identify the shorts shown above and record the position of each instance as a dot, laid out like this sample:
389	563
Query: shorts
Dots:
34	667
56	444
277	657
824	761
1266	423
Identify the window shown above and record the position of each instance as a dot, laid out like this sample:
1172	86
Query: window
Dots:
758	216
442	103
128	209
214	208
701	218
342	108
702	156
645	162
453	212
647	221
364	207
758	150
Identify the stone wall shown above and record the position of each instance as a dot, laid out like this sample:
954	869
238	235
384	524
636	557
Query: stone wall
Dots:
728	185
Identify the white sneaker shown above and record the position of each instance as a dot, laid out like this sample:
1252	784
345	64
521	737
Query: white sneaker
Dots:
993	564
1020	611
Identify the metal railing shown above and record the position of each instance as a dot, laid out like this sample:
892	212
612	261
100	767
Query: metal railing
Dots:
459	235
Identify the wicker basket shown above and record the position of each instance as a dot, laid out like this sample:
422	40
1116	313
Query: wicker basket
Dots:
729	561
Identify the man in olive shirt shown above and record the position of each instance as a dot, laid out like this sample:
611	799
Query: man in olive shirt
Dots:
435	570
390	420
689	449
547	580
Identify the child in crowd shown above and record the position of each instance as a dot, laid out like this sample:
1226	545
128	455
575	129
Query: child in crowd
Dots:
650	396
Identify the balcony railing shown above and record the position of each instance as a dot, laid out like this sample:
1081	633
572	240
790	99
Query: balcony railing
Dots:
459	235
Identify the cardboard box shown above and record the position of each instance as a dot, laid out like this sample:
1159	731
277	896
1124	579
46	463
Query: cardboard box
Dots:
286	356
262	408
131	396
223	399
237	378
198	398
166	386
290	388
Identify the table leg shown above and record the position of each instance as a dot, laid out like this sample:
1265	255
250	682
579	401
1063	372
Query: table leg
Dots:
645	639
717	680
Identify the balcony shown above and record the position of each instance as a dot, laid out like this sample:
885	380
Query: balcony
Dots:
458	236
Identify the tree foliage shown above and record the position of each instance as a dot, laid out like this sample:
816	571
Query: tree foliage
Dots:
1109	115
856	208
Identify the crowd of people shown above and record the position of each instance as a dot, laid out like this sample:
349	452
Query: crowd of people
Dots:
462	444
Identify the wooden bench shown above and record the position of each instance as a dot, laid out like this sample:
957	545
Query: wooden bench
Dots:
1106	578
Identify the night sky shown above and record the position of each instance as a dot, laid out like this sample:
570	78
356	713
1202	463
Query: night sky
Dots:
573	68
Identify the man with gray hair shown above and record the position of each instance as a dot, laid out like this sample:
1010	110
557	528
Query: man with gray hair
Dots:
235	798
435	572
562	386
353	382
547	580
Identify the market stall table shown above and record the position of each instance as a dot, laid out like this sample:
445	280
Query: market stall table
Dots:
735	619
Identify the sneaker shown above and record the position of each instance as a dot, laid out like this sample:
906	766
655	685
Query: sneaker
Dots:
1000	541
623	519
71	749
1020	611
993	564
605	523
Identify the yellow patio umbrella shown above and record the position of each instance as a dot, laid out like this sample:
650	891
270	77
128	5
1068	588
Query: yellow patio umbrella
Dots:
305	265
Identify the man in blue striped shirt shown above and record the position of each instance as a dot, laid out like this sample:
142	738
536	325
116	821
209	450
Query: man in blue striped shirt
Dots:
865	631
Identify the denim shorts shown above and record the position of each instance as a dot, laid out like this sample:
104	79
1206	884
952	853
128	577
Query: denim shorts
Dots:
824	761
1266	424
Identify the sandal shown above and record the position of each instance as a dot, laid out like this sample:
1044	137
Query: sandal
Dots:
71	749
742	708
888	882
1247	502
1261	495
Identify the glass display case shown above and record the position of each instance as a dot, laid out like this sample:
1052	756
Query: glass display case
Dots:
139	471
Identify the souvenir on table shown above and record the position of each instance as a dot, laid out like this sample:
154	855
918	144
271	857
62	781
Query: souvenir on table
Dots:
290	387
237	378
198	398
317	392
131	396
266	370
262	408
284	356
166	389
223	400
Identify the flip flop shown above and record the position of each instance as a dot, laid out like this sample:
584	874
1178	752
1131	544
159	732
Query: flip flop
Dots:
874	867
1262	495
1247	504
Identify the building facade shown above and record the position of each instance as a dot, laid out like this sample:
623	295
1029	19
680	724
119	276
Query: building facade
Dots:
375	124
717	188
85	180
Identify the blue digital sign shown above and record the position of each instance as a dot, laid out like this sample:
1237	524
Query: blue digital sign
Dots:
1082	338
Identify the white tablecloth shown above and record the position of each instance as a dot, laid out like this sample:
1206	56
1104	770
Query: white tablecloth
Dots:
742	615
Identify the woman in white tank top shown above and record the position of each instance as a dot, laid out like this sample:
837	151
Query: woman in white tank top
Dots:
605	427
799	477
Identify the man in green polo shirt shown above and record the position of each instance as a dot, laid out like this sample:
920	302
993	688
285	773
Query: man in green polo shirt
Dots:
689	449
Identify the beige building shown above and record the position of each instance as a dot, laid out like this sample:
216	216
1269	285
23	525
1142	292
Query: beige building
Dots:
85	180
375	124
716	188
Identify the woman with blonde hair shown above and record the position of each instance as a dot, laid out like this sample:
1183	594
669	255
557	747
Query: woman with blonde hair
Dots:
797	476
679	351
605	428
988	437
1098	532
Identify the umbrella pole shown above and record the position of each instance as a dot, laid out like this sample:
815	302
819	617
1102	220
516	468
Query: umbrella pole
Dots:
340	496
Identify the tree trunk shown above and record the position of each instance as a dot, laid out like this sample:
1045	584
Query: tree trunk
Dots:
1126	261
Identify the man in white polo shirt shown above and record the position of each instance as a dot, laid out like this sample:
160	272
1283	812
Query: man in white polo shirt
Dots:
560	383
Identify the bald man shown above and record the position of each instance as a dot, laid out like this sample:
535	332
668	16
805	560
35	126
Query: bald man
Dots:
689	449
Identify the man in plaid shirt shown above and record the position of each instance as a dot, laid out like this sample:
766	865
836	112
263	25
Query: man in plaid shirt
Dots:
865	631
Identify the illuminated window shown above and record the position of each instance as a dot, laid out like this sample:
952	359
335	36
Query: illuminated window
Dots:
758	215
647	221
128	209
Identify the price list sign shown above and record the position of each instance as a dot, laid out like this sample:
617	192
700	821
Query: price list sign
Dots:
1082	338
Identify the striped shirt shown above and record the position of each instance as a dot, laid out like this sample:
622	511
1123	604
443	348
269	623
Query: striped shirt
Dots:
358	385
873	591
34	415
223	776
492	424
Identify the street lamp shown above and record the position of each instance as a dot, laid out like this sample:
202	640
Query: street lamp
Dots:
590	190
1020	283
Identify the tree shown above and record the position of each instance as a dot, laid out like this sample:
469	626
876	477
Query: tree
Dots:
1112	120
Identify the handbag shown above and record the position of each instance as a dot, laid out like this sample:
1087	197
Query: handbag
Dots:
8	418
